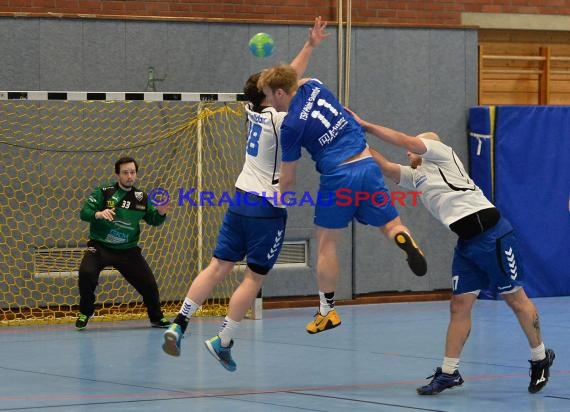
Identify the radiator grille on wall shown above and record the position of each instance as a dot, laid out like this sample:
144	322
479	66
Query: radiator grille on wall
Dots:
294	253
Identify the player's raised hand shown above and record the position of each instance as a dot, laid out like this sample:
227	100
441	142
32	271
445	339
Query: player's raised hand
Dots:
318	32
163	209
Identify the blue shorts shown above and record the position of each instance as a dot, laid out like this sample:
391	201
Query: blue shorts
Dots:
259	235
339	193
490	260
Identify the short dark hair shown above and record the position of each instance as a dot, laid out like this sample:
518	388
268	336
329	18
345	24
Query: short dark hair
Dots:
252	93
122	161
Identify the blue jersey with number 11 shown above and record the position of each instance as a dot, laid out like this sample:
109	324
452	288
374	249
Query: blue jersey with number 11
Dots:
317	121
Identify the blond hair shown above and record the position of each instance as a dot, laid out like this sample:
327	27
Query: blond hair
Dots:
279	77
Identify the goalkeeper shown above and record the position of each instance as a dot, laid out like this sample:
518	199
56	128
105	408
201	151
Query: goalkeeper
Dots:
114	212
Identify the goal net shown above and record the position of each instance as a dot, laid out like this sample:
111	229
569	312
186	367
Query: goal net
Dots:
55	148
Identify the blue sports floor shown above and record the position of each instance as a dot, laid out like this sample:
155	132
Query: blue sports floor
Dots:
373	361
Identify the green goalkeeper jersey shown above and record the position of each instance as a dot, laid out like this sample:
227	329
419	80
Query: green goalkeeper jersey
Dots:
130	207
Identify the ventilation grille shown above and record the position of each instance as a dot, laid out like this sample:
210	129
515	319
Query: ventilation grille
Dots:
293	253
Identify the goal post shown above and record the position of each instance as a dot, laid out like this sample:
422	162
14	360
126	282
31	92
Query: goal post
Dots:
55	147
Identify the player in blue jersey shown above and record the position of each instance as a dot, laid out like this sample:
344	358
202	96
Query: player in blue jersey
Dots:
253	227
486	255
318	122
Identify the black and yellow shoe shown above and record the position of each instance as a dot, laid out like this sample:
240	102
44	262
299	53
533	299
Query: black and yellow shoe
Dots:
162	323
81	321
321	323
415	257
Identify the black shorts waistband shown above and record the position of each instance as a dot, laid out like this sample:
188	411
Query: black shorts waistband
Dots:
249	193
476	223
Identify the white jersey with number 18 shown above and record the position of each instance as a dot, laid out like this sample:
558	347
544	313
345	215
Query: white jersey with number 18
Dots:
260	173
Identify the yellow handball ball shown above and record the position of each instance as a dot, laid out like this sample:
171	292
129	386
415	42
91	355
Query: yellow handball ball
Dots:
261	45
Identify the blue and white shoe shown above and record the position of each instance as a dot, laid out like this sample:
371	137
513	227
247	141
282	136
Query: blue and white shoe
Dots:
172	337
440	382
222	354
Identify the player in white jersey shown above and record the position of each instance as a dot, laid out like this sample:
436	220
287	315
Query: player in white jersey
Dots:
254	225
260	173
486	255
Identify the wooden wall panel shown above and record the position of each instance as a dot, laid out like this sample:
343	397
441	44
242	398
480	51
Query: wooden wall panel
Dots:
524	67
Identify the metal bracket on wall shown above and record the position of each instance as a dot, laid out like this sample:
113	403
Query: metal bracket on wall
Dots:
152	79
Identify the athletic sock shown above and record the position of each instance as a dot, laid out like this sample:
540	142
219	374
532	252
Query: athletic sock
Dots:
186	311
538	353
227	331
450	365
326	302
188	308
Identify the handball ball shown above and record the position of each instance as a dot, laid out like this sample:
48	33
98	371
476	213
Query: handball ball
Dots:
261	45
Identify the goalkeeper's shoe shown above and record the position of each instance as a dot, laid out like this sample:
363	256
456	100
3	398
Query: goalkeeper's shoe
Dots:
415	257
161	323
81	321
440	382
221	353
172	337
321	323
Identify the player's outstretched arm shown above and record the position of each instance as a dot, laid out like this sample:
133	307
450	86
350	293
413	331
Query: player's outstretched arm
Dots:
391	136
316	35
389	169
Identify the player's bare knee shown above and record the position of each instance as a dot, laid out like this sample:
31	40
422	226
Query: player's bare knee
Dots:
256	273
461	304
519	305
519	302
219	268
456	307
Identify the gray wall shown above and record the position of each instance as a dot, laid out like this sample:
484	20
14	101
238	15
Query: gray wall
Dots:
412	80
409	79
